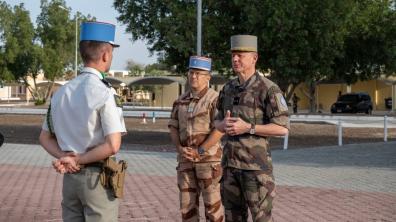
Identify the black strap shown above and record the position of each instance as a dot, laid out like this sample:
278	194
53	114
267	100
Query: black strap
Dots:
49	121
94	164
106	83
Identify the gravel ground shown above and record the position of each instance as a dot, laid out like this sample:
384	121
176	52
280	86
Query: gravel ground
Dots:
155	137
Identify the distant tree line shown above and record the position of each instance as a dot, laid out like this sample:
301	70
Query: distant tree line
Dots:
25	50
299	41
157	69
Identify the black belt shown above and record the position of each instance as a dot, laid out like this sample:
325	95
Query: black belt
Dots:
94	164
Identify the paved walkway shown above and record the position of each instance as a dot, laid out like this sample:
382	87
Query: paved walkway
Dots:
349	183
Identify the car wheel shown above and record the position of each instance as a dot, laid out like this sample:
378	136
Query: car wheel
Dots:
369	111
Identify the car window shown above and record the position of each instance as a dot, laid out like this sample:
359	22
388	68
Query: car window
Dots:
348	98
366	98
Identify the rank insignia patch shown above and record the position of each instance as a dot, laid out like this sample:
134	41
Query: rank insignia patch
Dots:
281	102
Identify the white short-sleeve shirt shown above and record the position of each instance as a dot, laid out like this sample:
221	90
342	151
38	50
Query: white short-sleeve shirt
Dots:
83	112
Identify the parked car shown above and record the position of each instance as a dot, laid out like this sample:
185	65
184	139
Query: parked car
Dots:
388	103
353	103
1	139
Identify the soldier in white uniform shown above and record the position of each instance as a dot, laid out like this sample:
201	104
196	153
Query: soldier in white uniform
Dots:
83	126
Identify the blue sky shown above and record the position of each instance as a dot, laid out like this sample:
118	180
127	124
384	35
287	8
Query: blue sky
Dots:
104	11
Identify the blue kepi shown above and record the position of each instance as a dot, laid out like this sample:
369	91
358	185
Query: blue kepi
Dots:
200	62
98	31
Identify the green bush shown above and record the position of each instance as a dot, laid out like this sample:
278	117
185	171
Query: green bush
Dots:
39	102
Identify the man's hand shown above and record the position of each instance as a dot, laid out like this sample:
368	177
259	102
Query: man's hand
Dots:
58	166
221	126
190	154
67	164
71	163
236	126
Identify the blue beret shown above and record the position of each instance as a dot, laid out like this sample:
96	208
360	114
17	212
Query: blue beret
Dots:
98	31
199	62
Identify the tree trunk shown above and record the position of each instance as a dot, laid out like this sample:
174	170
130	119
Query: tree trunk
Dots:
48	93
312	97
29	88
290	92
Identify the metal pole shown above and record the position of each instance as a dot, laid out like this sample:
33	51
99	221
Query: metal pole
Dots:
153	117
286	139
339	133
199	27
75	61
162	96
385	128
393	97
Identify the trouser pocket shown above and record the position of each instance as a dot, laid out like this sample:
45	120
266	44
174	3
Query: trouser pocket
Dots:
208	171
266	192
203	171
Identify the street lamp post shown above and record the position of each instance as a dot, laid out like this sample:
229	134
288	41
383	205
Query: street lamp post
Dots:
75	60
76	48
199	27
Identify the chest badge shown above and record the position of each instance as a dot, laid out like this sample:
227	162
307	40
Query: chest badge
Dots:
191	107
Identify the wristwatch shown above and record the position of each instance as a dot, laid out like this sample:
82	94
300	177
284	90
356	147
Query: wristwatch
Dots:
252	130
201	150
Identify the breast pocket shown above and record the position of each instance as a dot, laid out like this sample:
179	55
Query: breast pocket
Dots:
201	118
182	115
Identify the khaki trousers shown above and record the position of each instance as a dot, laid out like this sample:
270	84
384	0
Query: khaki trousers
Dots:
85	198
194	180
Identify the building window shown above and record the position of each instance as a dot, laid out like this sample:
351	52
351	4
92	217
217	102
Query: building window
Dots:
22	89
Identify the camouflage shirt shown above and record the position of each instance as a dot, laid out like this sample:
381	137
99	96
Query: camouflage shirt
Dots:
257	101
193	117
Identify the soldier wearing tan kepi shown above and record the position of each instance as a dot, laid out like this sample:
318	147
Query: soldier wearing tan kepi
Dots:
251	108
83	128
197	143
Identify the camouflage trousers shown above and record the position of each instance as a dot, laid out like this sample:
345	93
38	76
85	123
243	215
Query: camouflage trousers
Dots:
194	179
243	189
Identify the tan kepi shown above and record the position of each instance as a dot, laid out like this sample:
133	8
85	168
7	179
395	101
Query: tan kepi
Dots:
244	43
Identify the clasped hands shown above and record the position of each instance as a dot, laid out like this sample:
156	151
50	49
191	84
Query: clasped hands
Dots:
189	153
67	163
234	125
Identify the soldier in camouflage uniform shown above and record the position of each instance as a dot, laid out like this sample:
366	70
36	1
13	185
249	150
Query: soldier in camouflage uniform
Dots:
251	108
197	142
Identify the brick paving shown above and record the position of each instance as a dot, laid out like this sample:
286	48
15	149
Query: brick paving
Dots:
349	183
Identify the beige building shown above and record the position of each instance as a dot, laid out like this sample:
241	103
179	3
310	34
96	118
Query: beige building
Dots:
163	90
17	91
326	94
13	92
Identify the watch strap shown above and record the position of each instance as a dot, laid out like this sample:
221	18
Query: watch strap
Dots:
252	129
